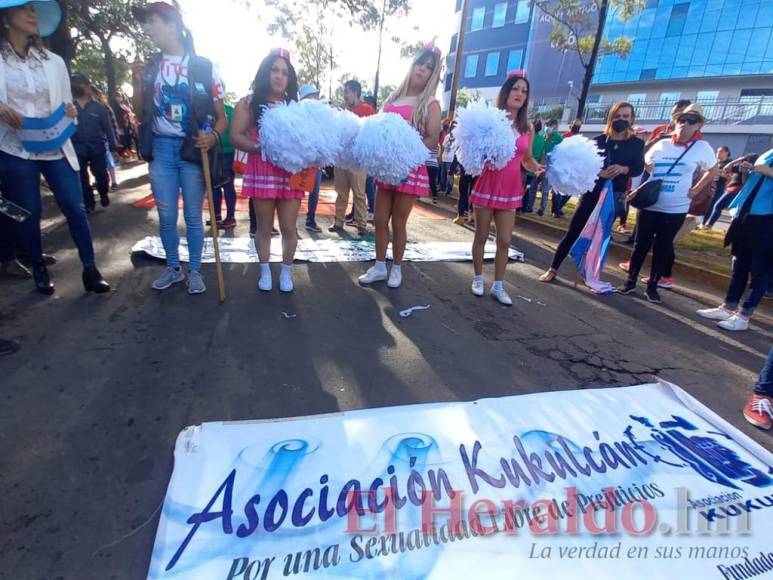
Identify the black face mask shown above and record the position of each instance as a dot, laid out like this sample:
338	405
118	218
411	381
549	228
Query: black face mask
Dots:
620	125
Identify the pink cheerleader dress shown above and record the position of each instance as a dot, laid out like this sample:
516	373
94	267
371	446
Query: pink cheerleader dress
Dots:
264	180
417	182
502	189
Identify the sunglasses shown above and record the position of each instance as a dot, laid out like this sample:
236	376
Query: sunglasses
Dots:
689	119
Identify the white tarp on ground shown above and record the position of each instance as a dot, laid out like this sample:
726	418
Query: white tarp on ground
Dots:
275	499
242	251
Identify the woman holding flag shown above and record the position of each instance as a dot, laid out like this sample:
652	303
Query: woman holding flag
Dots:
35	90
623	159
498	193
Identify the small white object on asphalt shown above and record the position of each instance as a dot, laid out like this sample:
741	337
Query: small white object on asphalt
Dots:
289	316
525	299
409	312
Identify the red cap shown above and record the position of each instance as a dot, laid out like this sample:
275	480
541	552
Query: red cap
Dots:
141	13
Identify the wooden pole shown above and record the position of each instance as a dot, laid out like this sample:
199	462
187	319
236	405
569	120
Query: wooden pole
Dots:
213	222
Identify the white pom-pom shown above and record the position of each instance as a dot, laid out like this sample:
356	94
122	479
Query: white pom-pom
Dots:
574	166
484	135
284	137
322	132
348	126
389	148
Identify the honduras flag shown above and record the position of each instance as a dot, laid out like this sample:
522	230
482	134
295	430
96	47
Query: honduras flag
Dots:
39	135
590	250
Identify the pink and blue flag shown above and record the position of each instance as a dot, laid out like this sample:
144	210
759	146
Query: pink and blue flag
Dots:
39	135
590	250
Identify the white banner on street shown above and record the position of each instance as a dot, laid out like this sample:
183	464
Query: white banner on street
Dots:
611	483
242	251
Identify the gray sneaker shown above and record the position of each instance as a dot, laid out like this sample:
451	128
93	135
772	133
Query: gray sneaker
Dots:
169	277
196	283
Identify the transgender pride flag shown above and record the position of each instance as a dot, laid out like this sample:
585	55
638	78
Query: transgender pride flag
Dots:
590	250
39	135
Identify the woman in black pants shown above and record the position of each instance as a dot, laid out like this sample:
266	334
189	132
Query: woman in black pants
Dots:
674	161
624	158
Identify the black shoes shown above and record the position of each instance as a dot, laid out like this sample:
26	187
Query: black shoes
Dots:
104	200
14	269
652	294
93	281
43	283
627	288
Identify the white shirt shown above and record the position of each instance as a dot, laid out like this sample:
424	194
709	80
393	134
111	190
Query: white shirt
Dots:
674	194
449	149
28	94
172	95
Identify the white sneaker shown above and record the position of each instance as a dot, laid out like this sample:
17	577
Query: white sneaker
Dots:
266	282
373	275
395	278
719	313
286	281
196	283
736	322
502	297
478	287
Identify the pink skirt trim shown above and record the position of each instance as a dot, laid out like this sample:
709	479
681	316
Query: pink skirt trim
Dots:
264	180
506	203
417	183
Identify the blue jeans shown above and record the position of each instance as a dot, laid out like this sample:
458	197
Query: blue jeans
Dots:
750	267
311	216
168	175
228	190
370	193
764	384
559	201
545	193
20	183
531	192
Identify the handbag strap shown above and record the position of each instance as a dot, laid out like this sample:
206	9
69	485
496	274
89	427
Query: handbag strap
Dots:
746	208
678	159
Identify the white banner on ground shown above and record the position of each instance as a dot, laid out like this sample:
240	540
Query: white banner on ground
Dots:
612	483
242	251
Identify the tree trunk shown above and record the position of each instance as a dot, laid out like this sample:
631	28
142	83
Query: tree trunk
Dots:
61	42
591	68
378	62
459	56
109	66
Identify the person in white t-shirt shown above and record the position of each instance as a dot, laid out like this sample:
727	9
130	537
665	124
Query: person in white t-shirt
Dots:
675	161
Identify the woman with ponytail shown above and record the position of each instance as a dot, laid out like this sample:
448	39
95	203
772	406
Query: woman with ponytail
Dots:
182	114
415	101
267	185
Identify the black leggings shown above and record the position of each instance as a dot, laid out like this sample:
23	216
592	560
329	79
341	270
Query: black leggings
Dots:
655	230
579	219
466	183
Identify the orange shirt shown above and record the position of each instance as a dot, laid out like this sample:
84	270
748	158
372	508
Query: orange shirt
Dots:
363	110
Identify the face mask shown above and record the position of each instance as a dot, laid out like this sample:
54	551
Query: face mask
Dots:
620	125
549	130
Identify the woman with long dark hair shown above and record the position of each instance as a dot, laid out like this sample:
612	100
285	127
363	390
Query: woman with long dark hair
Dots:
182	113
34	83
498	193
623	159
267	185
415	101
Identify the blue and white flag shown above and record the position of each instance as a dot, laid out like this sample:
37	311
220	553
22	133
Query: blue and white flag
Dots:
39	135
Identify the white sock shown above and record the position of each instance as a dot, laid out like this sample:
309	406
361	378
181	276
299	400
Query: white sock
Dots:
397	268
477	278
380	266
497	285
265	269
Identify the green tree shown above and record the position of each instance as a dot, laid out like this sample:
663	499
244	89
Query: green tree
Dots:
465	97
90	61
578	25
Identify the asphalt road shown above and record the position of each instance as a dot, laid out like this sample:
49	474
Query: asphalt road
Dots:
93	403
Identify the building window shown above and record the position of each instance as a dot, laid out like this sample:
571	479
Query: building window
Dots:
522	11
514	60
500	15
667	100
492	64
637	98
471	66
677	20
478	17
458	5
647	74
449	81
709	100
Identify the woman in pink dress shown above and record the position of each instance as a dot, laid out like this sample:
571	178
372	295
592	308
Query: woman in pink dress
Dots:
415	101
499	192
267	185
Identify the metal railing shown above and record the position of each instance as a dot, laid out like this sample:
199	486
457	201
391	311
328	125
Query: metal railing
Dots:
743	111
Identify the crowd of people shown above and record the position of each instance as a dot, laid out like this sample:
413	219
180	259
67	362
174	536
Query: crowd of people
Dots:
183	123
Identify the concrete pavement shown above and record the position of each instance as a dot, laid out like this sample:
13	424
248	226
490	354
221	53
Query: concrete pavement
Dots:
93	403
